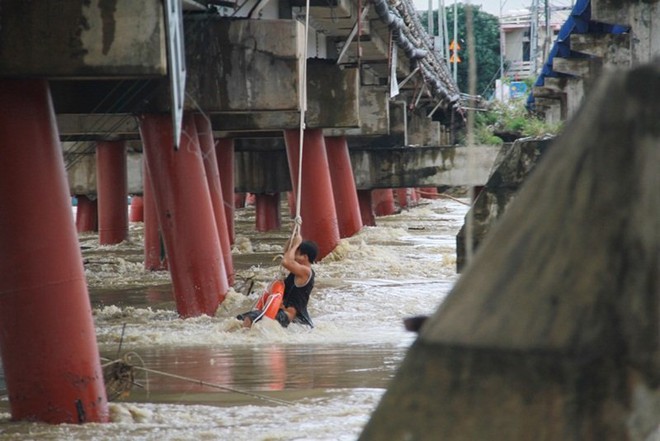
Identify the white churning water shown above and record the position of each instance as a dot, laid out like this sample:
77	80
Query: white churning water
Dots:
327	380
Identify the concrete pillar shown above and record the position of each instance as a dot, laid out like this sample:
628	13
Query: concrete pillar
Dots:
185	215
343	186
207	145
224	150
317	203
47	337
383	201
366	208
155	257
86	214
136	212
268	211
112	189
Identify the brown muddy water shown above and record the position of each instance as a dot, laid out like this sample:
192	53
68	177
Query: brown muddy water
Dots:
208	378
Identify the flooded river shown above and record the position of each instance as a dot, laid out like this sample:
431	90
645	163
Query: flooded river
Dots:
208	379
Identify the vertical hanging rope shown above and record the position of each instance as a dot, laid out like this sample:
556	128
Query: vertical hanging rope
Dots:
303	110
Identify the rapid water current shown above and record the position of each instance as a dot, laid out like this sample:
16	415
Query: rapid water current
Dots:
209	379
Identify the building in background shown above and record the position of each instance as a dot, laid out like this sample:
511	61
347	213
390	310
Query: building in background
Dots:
526	36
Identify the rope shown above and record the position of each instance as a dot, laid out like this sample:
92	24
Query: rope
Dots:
301	133
443	195
215	386
123	366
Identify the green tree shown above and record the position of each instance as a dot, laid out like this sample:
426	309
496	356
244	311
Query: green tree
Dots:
487	46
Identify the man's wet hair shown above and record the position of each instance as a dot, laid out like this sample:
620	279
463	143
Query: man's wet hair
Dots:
309	249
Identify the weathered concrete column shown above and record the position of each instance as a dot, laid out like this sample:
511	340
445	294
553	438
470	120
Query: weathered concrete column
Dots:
86	214
155	257
207	146
112	189
317	205
267	212
366	208
47	338
185	214
383	201
553	331
514	163
343	186
136	212
224	150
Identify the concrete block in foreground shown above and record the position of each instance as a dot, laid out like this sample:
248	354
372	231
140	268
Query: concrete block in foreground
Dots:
553	331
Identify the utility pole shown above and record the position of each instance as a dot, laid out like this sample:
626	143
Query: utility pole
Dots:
445	41
429	19
534	36
441	34
502	48
548	32
456	39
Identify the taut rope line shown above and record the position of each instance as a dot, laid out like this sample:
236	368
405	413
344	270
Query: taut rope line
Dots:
128	366
301	133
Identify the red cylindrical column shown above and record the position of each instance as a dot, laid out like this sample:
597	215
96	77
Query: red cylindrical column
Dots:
224	152
111	186
155	258
267	211
430	192
86	217
317	204
291	202
383	201
343	186
184	214
207	146
402	197
366	208
47	337
239	200
137	209
414	196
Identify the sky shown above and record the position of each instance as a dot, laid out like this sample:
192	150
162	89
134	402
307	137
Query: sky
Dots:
490	6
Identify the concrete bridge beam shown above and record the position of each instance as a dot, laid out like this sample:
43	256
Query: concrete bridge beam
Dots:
261	167
78	39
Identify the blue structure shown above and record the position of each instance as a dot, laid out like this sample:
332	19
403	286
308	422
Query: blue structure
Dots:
578	22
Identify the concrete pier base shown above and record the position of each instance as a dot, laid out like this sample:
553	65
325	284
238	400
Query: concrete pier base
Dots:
553	331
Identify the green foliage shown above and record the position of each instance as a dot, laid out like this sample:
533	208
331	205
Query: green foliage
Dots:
487	46
511	119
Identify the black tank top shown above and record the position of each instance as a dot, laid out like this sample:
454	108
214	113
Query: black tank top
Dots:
298	297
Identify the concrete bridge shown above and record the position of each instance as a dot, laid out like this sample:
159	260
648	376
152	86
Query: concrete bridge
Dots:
214	96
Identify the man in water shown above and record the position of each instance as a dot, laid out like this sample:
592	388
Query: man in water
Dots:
298	285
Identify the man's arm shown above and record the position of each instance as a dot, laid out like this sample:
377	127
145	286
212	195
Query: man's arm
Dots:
301	272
